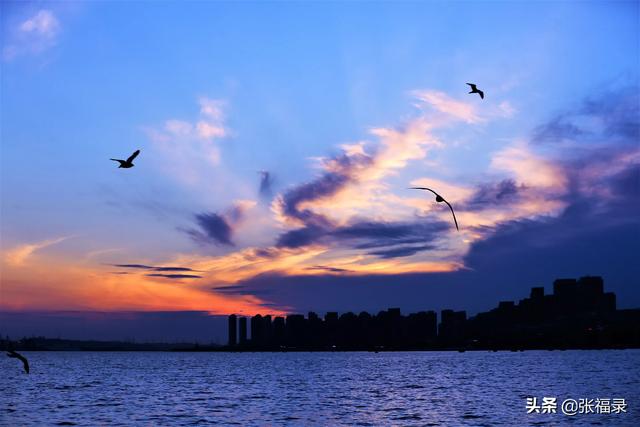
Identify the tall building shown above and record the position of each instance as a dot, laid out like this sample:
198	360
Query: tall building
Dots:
278	331
257	333
232	330
243	330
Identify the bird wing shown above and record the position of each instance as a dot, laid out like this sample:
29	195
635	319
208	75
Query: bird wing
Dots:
453	213
481	94
20	357
118	160
133	156
473	87
425	188
24	362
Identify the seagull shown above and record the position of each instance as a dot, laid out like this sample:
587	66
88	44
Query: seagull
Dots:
474	89
440	199
127	163
15	355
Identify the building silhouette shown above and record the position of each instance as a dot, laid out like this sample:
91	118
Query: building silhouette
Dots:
243	331
232	330
578	314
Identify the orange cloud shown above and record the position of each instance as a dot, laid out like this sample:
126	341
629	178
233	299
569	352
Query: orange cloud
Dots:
56	284
19	255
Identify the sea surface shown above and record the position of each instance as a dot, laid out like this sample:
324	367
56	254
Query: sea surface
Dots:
304	389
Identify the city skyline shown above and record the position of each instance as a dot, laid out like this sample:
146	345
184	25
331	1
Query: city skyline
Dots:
277	144
577	314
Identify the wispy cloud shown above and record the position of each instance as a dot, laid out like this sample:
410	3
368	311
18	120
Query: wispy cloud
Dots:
189	147
19	255
174	276
150	267
266	185
445	104
34	35
612	114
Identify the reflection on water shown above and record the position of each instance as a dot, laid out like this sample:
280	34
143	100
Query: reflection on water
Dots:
366	389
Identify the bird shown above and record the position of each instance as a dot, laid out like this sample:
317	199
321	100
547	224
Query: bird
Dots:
127	163
440	199
16	355
474	89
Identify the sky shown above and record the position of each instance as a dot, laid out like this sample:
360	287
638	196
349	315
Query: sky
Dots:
278	142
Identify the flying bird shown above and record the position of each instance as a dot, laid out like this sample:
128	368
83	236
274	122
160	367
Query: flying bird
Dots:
474	89
129	162
23	359
440	199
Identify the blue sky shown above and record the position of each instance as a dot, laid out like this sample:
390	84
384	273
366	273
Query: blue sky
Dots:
214	92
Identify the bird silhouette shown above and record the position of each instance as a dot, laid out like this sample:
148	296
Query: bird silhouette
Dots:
129	162
20	357
440	199
474	89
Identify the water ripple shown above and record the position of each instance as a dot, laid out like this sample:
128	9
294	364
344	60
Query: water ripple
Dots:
313	389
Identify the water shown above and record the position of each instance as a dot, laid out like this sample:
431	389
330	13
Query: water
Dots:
302	389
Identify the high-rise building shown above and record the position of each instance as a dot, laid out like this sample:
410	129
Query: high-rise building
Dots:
257	332
243	330
232	330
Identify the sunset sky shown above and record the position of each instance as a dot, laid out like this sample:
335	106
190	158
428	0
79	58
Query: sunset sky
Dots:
278	141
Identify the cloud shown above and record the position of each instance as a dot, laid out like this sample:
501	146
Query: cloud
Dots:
590	236
340	170
528	168
190	148
149	267
266	185
612	113
34	35
369	235
328	269
494	194
19	255
43	23
174	276
403	251
527	190
445	104
216	228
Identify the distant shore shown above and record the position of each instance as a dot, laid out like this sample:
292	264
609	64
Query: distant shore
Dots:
57	344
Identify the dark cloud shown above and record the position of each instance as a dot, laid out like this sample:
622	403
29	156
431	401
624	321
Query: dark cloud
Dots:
214	229
150	267
492	194
301	237
242	290
558	129
627	182
266	185
342	171
175	276
217	228
140	266
619	111
594	235
612	113
326	268
402	251
369	235
518	256
173	269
